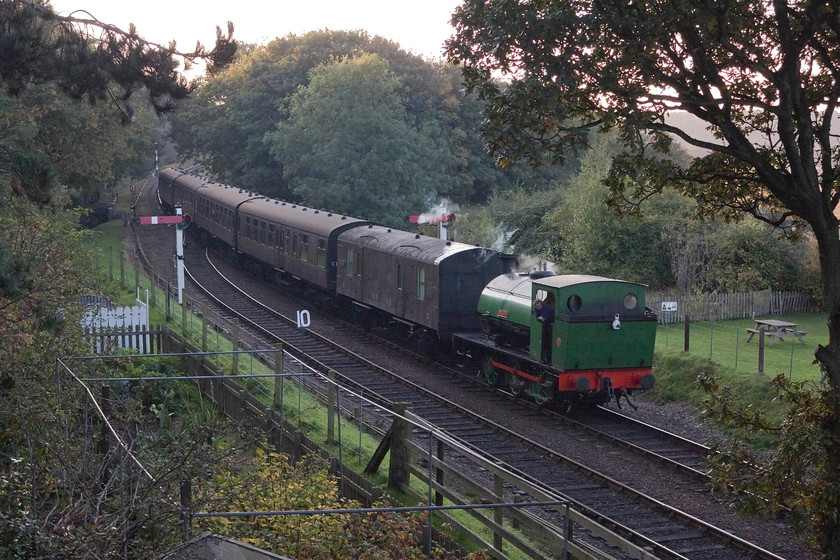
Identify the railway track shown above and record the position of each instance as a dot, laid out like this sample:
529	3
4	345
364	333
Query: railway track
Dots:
681	454
664	530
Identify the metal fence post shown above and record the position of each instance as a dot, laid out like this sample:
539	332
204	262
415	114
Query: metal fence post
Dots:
235	342
331	408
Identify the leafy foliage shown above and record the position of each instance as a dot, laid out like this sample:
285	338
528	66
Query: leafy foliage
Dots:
48	140
665	247
41	46
793	479
42	274
349	146
47	60
756	74
762	77
270	483
229	124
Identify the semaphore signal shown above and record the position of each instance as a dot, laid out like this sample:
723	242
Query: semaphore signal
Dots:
182	220
445	221
159	220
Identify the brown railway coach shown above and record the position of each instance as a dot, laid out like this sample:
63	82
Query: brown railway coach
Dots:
417	280
293	239
211	205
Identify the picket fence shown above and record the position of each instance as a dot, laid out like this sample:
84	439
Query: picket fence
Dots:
719	307
112	328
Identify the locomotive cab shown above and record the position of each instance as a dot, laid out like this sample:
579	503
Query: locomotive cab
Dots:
602	336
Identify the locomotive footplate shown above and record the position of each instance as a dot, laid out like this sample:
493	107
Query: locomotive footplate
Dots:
509	359
464	342
506	366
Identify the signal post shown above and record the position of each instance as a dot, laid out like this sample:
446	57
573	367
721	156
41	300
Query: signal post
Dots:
181	223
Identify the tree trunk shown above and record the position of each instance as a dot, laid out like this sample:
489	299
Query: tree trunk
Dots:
829	361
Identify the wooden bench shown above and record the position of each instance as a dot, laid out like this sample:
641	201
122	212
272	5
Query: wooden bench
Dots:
790	334
753	332
782	334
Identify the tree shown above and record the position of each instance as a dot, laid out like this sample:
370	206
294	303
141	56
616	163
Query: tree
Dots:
224	124
47	138
763	77
589	239
349	147
91	60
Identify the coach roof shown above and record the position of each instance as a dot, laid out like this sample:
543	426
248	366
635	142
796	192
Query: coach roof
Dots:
396	242
297	216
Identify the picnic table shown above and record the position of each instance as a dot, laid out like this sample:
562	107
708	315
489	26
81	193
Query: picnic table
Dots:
778	329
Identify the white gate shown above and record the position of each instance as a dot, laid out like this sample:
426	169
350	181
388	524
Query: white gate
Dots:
105	324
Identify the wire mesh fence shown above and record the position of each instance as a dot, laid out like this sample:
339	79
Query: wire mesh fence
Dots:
729	344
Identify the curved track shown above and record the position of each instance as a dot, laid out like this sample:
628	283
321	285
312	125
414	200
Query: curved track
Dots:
664	530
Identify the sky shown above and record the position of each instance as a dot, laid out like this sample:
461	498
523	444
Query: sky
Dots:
418	26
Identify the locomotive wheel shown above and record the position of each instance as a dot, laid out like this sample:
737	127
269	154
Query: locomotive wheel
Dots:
539	393
516	385
490	374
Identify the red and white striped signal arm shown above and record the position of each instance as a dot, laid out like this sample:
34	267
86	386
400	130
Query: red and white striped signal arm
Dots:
159	220
431	219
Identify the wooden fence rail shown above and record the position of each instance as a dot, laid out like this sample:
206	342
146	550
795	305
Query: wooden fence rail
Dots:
515	530
720	307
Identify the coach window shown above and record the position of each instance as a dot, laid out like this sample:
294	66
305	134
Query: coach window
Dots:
304	248
271	235
350	260
263	233
421	283
286	241
322	254
359	263
247	232
400	277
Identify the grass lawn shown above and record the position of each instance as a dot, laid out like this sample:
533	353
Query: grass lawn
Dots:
726	343
721	348
120	276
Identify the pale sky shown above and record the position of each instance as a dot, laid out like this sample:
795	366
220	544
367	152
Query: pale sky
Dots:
418	26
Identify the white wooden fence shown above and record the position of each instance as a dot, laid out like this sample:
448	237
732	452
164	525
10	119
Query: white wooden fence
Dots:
110	328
